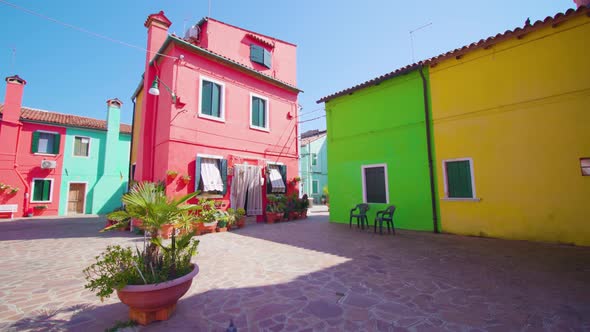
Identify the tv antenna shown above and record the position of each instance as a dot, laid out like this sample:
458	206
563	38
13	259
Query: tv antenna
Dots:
209	9
13	59
412	38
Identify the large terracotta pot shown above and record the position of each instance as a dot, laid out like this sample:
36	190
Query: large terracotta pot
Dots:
148	303
241	223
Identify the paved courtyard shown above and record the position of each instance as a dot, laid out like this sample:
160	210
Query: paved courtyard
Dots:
306	276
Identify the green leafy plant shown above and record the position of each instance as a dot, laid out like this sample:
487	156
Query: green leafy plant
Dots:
276	203
186	178
121	325
171	173
234	215
13	190
157	262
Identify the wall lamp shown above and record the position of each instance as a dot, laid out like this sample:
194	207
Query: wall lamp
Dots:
155	91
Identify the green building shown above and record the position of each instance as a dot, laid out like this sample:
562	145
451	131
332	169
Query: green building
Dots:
96	164
313	164
378	151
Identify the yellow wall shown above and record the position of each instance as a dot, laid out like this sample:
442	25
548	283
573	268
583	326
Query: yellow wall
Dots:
136	125
521	110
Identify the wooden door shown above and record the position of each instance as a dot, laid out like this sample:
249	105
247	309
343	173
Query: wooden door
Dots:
76	198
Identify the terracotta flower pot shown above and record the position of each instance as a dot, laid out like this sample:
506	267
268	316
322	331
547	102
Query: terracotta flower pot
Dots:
221	229
209	227
241	223
148	303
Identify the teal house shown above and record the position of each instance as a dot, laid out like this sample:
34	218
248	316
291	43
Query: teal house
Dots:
96	164
313	164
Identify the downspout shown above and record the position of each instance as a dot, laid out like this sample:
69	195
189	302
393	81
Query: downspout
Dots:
22	179
131	148
429	147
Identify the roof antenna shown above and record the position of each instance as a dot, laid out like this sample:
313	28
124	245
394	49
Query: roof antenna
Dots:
412	38
209	9
13	62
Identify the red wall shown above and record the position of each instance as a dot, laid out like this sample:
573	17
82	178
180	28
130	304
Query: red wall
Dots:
29	166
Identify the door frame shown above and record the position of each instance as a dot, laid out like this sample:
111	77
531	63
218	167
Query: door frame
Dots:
85	183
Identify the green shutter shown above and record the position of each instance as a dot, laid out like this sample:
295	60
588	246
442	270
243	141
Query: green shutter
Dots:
206	97
255	112
197	173
46	189
56	142
267	59
35	142
38	190
216	100
262	112
459	179
268	183
283	170
257	54
223	170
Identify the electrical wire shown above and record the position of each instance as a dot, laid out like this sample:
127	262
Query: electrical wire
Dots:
86	31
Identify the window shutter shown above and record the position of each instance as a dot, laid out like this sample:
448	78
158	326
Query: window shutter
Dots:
255	112
46	188
206	97
35	142
223	170
283	170
38	190
267	58
375	185
56	139
197	173
215	100
257	54
459	179
262	112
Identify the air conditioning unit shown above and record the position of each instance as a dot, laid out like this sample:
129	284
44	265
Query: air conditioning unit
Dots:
48	164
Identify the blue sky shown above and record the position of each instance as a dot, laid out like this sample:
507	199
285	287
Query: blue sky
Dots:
340	43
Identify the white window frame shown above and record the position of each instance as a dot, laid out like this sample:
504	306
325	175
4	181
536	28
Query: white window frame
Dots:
446	181
210	156
318	186
85	194
74	147
46	132
221	99
266	113
50	190
363	167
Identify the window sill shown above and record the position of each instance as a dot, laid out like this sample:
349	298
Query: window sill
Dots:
210	117
45	154
461	199
266	130
40	202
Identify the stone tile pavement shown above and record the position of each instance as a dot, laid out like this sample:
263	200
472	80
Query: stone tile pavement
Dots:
306	276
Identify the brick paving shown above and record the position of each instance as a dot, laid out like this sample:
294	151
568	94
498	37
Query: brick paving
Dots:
306	276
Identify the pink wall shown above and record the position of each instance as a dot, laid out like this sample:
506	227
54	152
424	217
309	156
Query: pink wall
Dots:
234	43
29	166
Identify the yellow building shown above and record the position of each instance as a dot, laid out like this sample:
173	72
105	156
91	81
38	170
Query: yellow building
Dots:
511	126
137	99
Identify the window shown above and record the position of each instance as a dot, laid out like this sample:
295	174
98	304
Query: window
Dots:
81	146
258	112
45	142
212	100
42	190
314	159
260	55
458	176
275	179
585	165
211	174
375	187
315	187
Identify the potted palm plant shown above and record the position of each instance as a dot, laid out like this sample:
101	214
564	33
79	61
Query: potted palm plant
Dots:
149	281
236	217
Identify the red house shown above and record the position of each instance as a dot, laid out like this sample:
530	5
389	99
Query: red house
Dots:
221	108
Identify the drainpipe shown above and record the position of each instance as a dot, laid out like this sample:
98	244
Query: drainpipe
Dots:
429	147
131	148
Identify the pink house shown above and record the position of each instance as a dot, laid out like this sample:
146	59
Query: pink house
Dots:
221	108
31	156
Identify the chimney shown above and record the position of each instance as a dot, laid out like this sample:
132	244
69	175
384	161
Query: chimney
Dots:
112	141
157	25
13	99
580	3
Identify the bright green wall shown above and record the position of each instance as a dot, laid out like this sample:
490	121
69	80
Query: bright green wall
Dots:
376	125
104	188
